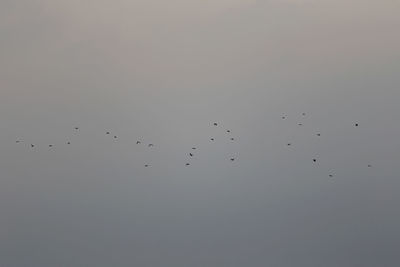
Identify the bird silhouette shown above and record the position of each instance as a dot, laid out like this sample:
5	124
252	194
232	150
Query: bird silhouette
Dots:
232	159
289	144
215	124
68	143
50	145
193	148
303	114
187	164
107	132
76	128
283	117
146	165
212	139
115	137
138	142
232	139
318	134
369	165
150	145
32	145
228	131
314	160
300	124
190	154
330	175
356	124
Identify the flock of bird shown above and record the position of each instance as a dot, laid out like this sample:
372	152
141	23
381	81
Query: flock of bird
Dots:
192	153
314	160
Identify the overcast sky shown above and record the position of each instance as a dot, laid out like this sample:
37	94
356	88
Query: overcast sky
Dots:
163	72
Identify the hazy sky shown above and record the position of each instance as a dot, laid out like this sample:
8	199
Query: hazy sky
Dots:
163	72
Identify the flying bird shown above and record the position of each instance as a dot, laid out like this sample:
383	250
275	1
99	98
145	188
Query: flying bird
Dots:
232	159
318	134
146	165
228	131
215	124
212	139
190	154
314	160
356	124
330	175
300	124
107	132
289	144
32	145
50	145
115	137
232	139
68	143
303	114
187	164
76	128
138	142
193	148
150	145
369	165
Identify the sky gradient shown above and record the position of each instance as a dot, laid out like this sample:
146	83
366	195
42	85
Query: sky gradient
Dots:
163	72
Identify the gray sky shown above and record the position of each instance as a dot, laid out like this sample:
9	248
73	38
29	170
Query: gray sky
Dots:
163	72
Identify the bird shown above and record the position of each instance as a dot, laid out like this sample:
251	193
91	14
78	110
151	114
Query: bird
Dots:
187	164
68	143
107	132
232	139
18	141
115	137
330	175
150	145
76	128
232	159
190	154
314	160
193	148
283	117
138	142
369	165
300	124
32	145
289	144
215	124
50	145
212	139
318	134
146	165
356	124
303	114
228	131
